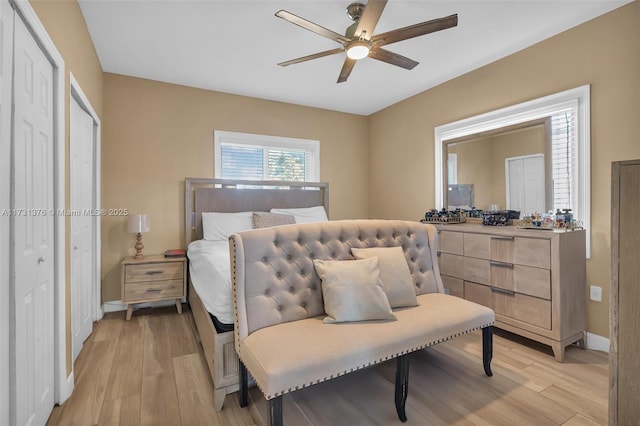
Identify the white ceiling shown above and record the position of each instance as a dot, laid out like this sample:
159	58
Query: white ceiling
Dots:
234	46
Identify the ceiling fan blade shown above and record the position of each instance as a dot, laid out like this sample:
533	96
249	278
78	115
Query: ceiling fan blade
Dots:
369	19
392	58
315	28
415	30
310	57
346	69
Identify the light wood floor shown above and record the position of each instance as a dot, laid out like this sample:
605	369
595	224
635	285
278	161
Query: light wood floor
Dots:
151	371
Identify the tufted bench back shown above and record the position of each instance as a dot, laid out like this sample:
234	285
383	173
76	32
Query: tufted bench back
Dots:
274	280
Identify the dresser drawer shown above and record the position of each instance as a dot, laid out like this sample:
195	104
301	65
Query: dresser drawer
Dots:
490	247
521	307
150	290
534	252
521	279
451	242
153	272
454	285
477	270
451	264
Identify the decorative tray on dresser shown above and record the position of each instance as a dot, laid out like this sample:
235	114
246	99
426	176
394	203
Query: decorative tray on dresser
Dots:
534	280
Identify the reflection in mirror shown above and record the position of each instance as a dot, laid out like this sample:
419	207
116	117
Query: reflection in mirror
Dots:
502	168
531	157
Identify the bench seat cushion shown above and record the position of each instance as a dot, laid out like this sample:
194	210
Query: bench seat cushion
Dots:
297	354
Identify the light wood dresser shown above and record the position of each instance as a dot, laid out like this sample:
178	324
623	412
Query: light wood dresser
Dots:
153	278
534	280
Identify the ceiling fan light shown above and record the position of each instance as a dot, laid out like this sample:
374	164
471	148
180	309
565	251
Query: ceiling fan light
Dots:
358	50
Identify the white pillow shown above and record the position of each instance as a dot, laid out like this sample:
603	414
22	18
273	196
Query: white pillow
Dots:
394	273
305	214
352	290
219	226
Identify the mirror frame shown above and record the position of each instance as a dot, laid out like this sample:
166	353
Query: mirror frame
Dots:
579	98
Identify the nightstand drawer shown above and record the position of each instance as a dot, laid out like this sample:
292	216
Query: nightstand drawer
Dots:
153	271
152	290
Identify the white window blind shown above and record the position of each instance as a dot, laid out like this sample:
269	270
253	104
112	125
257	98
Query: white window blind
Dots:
259	157
564	161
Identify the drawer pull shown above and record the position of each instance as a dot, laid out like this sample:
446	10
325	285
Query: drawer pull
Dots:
438	254
501	237
502	264
503	291
153	272
153	290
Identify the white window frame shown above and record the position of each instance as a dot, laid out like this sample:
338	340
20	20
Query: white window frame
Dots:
578	98
278	142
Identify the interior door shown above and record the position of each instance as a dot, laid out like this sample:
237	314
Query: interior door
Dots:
6	81
526	184
33	237
81	223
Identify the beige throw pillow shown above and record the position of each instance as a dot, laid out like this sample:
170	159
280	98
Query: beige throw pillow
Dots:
352	290
394	273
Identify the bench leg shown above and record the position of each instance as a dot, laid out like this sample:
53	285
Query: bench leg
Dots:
402	385
244	383
275	411
487	349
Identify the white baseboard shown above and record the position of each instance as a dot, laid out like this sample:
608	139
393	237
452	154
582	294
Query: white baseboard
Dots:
117	305
597	343
66	388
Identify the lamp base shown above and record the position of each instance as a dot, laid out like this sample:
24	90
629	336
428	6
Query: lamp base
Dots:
139	246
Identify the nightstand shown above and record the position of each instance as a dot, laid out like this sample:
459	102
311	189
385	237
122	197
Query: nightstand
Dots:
153	278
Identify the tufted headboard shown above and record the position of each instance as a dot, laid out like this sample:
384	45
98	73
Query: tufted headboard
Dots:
274	280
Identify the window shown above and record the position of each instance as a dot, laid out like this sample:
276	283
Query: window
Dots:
259	157
563	135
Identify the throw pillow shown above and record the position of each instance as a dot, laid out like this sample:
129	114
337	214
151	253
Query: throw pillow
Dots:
267	220
352	290
394	273
305	214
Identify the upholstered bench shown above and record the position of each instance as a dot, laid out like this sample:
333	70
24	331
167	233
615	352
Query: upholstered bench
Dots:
306	311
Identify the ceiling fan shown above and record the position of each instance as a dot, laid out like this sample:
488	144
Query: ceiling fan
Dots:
359	40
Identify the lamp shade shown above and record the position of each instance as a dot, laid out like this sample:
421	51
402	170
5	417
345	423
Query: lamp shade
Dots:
139	223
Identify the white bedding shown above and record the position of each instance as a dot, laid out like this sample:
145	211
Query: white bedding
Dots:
210	270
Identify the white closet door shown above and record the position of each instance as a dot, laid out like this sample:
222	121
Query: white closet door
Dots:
6	67
81	202
525	184
32	202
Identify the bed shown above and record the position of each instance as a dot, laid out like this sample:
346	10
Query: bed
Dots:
210	297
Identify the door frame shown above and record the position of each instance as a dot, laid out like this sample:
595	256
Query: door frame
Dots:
76	92
63	385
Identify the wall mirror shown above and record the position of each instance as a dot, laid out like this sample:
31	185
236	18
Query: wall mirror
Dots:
531	157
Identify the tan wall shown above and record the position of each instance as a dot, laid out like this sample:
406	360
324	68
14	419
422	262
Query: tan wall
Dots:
603	53
156	134
65	25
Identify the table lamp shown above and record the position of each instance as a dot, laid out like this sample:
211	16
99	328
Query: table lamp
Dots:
139	223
